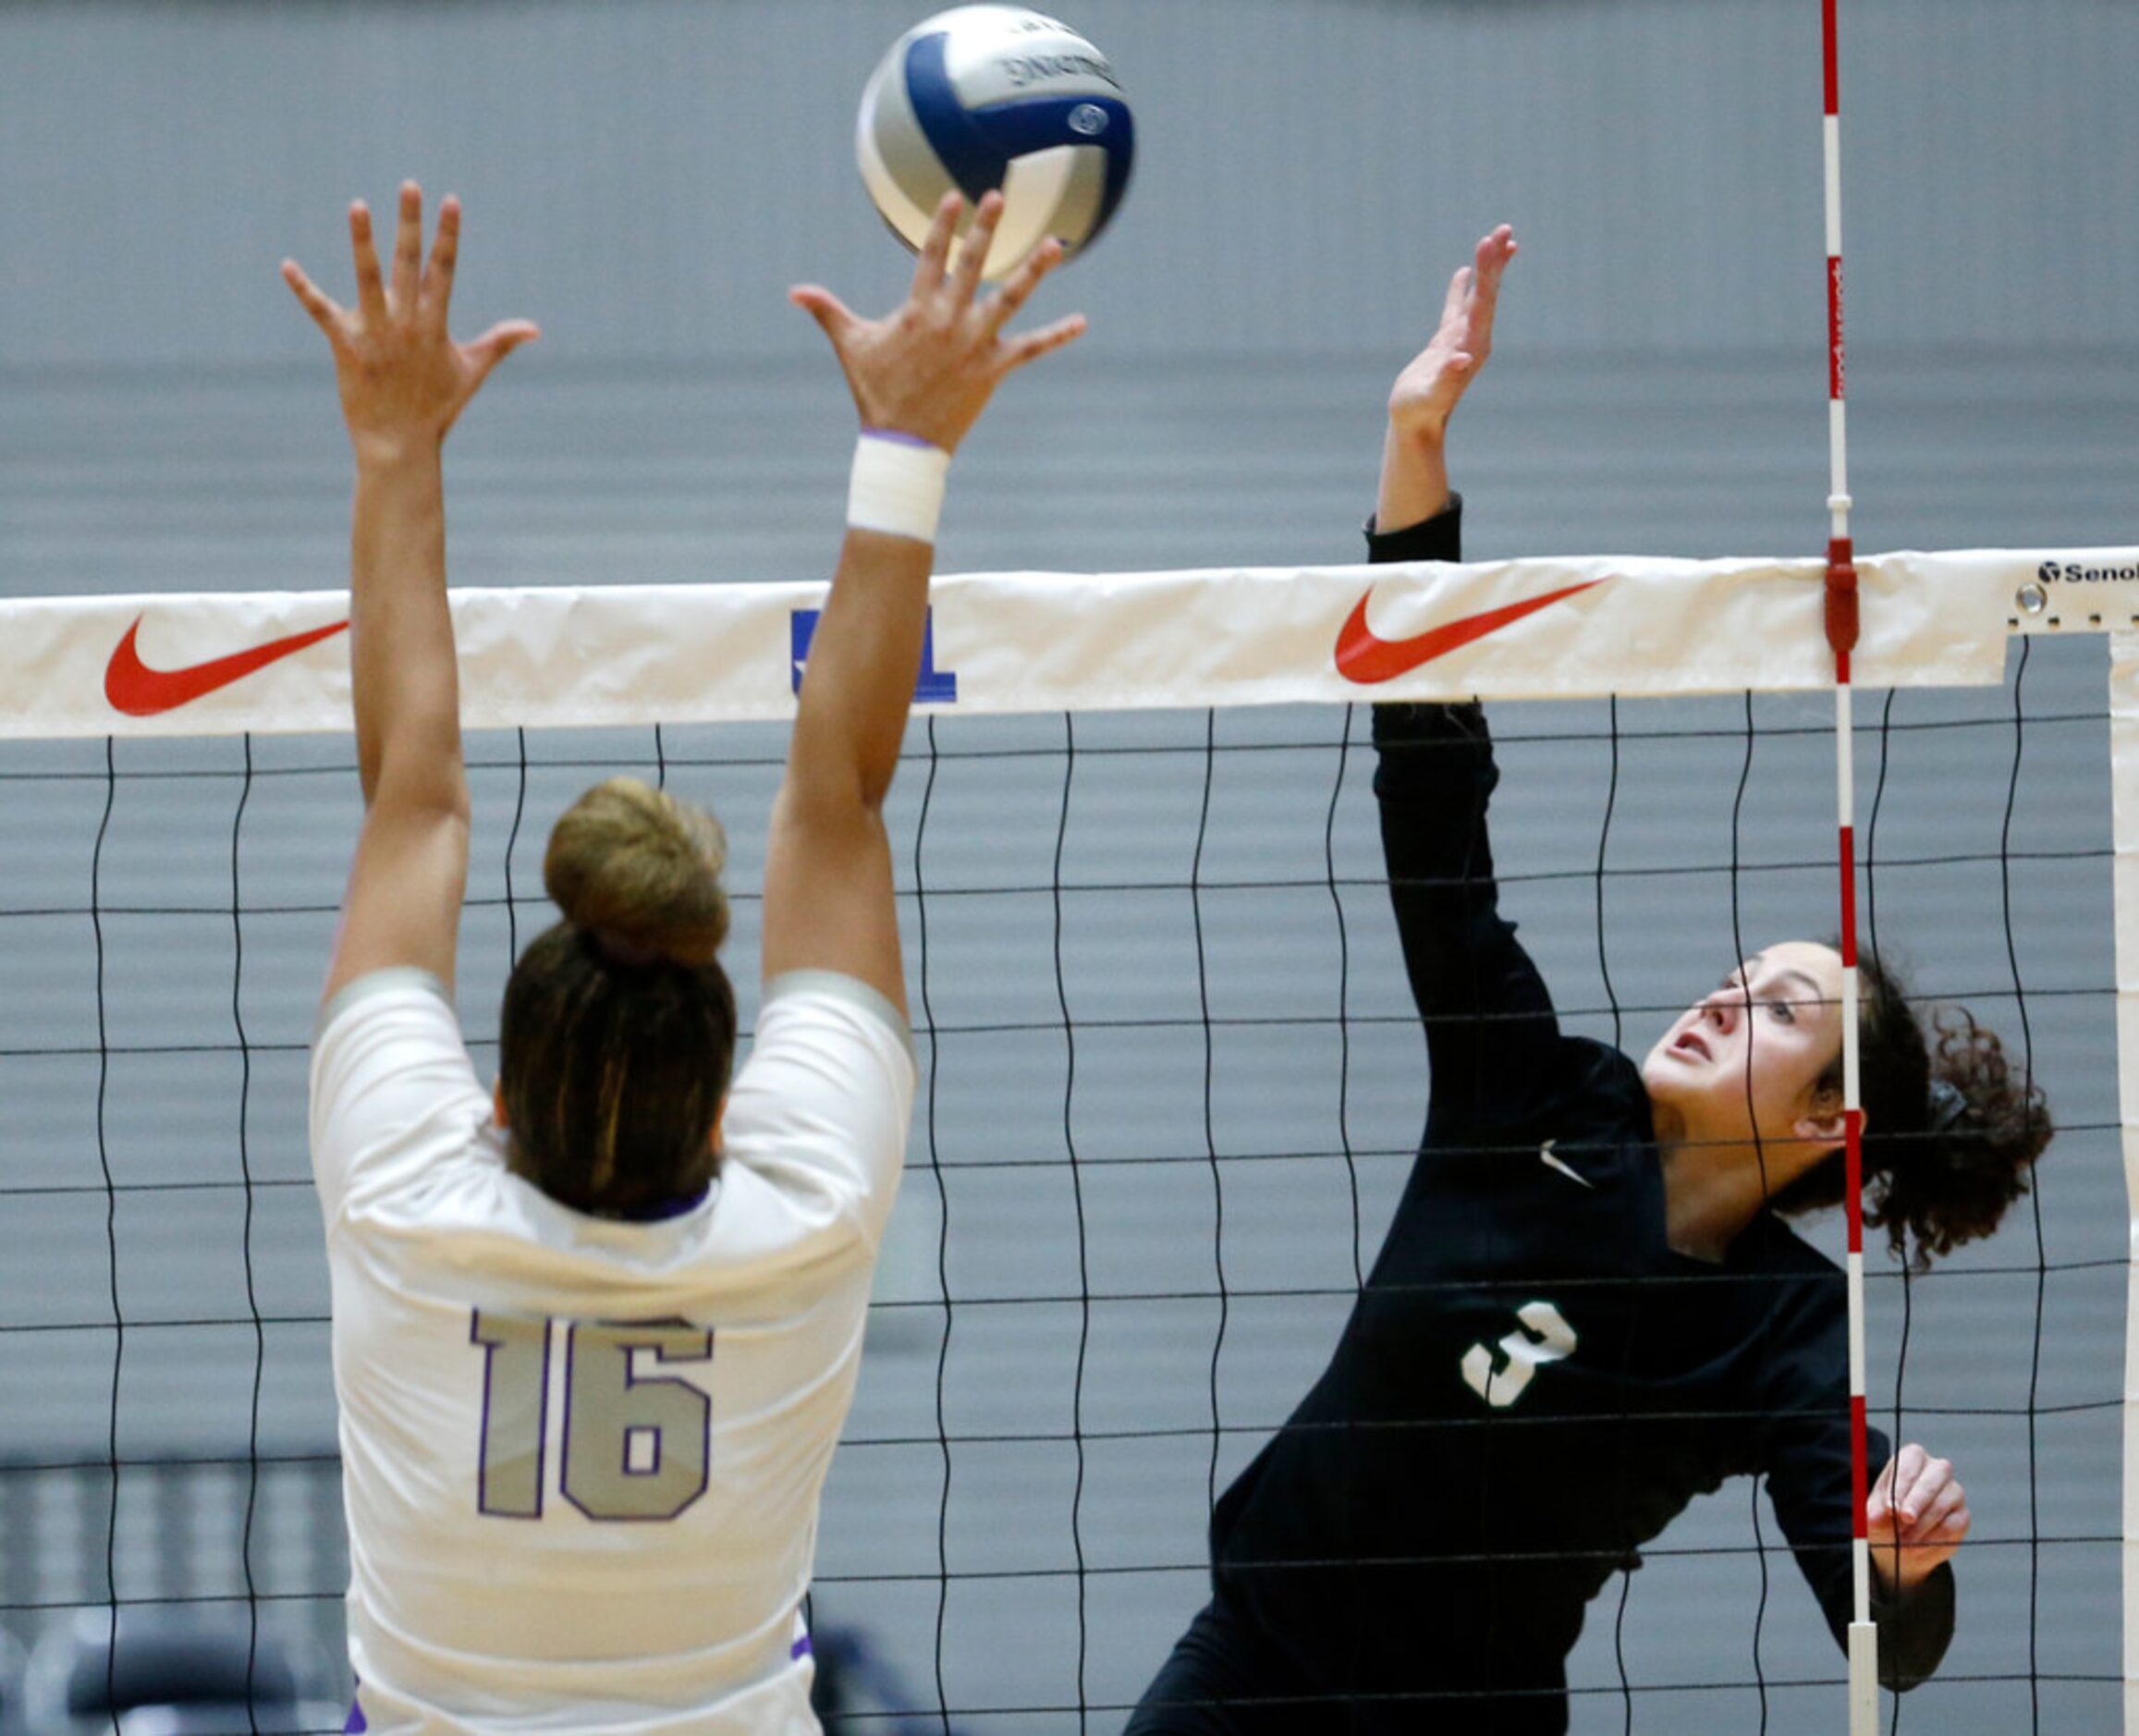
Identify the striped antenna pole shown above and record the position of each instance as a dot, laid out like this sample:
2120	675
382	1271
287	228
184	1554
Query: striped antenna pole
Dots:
1842	629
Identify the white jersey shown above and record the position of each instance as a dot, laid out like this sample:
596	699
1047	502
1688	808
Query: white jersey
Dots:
582	1458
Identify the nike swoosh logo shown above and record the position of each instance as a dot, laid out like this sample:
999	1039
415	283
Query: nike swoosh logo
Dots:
139	691
1545	1152
1363	657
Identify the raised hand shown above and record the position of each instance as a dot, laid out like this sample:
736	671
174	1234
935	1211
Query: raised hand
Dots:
403	379
928	368
1414	469
1426	391
1916	1516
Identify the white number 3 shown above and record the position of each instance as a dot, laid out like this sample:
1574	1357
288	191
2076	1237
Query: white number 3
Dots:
1499	1376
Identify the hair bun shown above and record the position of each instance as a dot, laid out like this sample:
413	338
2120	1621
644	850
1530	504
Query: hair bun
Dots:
639	871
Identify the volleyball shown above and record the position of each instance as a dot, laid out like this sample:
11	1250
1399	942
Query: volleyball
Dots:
986	96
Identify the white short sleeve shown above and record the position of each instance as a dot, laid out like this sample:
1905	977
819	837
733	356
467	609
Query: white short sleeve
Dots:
823	1105
392	1087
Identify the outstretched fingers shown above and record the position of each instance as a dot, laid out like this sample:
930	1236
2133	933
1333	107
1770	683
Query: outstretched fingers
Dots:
400	373
1494	252
1013	293
1029	346
833	316
315	301
370	287
408	247
1459	296
444	256
486	352
929	367
928	269
973	248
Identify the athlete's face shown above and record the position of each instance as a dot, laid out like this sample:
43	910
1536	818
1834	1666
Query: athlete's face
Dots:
1747	1059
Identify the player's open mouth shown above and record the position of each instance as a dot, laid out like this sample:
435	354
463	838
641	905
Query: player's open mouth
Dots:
1692	1044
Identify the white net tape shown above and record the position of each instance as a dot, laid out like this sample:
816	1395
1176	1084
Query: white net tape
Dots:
1008	642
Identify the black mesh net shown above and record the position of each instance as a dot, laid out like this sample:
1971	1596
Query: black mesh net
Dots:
1172	1085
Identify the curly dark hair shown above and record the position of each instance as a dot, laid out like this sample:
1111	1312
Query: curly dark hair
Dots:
1951	1131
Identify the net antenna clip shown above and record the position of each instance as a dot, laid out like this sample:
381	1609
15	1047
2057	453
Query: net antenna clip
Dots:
1841	598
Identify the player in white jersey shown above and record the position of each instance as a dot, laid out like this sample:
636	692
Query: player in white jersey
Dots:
595	1330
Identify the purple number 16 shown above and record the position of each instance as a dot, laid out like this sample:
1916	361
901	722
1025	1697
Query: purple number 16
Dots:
634	1446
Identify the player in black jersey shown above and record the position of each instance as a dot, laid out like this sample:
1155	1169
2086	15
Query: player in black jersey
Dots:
1588	1309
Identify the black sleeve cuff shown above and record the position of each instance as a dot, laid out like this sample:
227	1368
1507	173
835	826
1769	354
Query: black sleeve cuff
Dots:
1411	724
1438	538
1914	1636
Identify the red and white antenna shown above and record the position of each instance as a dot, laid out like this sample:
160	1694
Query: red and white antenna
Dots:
1841	629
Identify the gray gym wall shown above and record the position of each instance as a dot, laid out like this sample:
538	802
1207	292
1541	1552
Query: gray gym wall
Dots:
646	177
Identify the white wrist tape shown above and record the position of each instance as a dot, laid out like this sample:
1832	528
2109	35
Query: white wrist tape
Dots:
897	486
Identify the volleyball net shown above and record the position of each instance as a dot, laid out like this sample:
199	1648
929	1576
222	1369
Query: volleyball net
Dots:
1172	1082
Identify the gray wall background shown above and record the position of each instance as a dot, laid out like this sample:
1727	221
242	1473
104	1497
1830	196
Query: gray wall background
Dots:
646	175
645	178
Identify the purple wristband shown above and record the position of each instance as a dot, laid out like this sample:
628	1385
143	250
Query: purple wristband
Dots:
901	436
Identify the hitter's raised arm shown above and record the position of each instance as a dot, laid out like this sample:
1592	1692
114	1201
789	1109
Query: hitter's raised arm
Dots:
1414	468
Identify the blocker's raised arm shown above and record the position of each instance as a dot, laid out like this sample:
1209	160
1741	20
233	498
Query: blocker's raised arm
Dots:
921	377
403	382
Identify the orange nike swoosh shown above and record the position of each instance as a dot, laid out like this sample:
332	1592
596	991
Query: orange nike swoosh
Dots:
139	691
1366	659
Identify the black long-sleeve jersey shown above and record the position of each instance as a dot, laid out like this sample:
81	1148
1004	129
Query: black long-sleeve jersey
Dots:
1533	1383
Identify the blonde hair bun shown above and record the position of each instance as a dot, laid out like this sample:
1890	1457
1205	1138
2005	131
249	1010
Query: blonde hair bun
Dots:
639	871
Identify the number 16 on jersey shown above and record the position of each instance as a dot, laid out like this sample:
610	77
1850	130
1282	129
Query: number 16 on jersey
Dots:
631	1445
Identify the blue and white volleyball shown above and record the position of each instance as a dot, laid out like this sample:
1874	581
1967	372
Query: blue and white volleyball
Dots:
986	96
